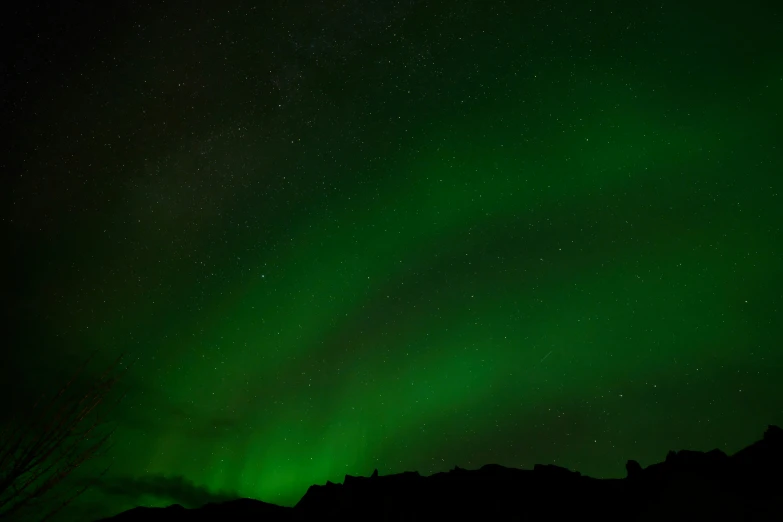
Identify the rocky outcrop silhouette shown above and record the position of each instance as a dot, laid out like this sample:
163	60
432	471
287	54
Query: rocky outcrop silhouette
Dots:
687	485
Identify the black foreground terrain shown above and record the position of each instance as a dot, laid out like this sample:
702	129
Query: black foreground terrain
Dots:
688	485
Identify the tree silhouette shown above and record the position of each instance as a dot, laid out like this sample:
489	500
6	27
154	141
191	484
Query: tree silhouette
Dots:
58	436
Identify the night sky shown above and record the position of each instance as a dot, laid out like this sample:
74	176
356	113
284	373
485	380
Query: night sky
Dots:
335	236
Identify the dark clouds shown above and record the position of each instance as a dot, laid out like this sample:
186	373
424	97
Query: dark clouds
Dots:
174	489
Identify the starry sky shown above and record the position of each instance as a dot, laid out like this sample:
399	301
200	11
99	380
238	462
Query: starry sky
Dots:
334	236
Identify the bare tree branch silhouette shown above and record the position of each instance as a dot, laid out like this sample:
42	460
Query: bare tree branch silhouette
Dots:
63	432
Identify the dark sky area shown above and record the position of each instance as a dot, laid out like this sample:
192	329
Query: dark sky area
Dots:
407	235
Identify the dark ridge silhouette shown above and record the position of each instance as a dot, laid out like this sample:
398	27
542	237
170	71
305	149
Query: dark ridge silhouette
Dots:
688	485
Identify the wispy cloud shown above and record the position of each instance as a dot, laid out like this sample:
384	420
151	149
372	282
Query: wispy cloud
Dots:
176	489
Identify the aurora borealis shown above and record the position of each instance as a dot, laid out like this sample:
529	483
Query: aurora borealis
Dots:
404	235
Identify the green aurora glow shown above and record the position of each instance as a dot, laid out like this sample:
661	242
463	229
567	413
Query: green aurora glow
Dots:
464	234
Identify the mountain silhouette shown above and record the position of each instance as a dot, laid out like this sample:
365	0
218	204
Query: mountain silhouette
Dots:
688	485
